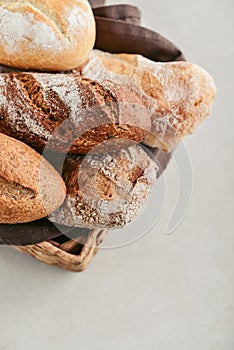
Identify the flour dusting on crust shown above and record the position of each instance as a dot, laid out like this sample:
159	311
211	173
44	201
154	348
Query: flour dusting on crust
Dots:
106	190
16	28
178	95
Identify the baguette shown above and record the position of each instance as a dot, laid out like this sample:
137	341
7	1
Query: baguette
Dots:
178	95
105	190
30	188
46	35
67	112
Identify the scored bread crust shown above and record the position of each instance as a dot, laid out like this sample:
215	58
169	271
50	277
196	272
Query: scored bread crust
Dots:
46	35
67	112
105	190
129	97
30	188
178	95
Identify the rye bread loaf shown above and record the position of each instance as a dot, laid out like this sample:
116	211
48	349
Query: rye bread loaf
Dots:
105	190
30	188
67	112
46	35
178	95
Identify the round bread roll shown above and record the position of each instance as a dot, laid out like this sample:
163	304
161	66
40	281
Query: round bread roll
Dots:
47	35
105	190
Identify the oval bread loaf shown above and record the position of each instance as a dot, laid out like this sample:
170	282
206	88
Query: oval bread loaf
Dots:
47	35
30	188
178	95
67	112
105	190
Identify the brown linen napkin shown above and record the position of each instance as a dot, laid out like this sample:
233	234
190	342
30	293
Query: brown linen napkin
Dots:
119	31
126	13
34	232
117	36
96	3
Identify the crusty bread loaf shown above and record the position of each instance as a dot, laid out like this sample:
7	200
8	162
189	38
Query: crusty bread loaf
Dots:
30	188
159	104
46	35
78	113
105	190
178	94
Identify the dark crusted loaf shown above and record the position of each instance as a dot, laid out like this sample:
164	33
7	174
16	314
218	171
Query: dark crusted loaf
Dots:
69	111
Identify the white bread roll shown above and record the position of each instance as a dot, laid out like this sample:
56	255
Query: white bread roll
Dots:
178	95
47	35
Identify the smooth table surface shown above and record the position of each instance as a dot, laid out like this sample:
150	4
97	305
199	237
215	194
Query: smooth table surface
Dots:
164	291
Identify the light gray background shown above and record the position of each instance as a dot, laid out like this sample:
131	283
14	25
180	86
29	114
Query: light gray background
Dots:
163	292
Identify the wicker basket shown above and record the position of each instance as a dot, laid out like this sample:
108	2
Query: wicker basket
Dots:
70	254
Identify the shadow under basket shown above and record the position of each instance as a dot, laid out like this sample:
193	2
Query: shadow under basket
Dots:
70	254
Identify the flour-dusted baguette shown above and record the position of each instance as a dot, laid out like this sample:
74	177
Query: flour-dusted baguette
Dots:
65	111
178	95
46	35
30	188
105	190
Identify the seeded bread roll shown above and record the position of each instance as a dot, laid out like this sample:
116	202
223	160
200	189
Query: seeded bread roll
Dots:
46	35
30	188
105	190
178	95
66	112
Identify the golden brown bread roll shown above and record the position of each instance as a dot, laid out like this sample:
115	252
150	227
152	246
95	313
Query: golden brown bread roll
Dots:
178	95
46	35
30	188
105	190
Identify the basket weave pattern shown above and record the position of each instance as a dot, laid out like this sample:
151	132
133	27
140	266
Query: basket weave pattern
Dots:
70	254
